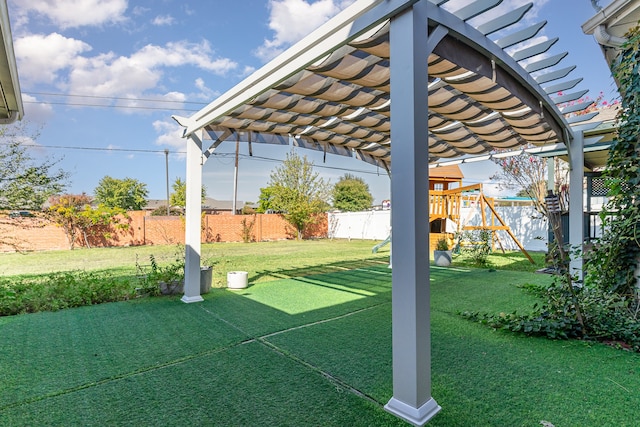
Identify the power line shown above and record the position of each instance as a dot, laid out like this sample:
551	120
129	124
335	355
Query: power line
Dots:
130	150
110	106
221	155
73	95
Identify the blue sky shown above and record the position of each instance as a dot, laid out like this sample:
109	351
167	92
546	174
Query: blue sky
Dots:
101	79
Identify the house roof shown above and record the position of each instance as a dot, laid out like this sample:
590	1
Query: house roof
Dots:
207	204
448	172
332	91
610	24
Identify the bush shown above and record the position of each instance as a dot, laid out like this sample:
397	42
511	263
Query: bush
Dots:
171	274
247	230
480	247
607	316
58	291
442	244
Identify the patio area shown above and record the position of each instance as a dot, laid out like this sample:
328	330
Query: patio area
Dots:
312	350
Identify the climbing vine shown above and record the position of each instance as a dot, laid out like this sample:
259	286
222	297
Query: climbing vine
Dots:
607	306
613	262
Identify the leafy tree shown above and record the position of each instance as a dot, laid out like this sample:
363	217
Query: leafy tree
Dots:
351	194
128	194
25	182
78	218
527	174
265	200
65	212
179	195
297	191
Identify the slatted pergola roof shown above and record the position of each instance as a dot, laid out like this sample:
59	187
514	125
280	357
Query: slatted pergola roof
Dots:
335	96
416	82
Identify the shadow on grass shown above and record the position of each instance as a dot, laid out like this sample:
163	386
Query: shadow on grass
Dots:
319	269
510	260
312	350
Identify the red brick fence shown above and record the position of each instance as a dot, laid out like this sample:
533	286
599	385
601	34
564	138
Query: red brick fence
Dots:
36	234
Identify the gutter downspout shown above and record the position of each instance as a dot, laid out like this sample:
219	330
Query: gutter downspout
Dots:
603	37
13	116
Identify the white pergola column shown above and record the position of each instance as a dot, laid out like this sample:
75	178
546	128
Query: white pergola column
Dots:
576	202
193	210
411	399
551	173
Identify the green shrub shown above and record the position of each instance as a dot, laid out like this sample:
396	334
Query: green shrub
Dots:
247	230
607	316
150	279
480	247
58	291
442	244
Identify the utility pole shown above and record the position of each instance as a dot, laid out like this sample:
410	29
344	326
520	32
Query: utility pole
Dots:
166	161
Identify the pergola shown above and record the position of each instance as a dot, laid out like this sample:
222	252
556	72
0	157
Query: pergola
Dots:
11	108
412	81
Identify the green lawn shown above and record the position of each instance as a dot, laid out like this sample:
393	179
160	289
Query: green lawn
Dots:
263	261
305	349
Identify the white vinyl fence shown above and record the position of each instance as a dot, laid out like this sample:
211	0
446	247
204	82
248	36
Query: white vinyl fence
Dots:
529	227
366	225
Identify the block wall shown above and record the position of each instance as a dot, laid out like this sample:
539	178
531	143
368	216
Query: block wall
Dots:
37	234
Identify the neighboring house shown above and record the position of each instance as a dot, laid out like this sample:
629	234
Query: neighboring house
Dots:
153	204
213	206
610	24
209	206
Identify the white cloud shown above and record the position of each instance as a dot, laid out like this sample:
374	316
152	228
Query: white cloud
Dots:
60	61
139	10
170	100
183	53
40	58
205	93
74	13
247	70
170	136
291	20
36	111
111	75
162	20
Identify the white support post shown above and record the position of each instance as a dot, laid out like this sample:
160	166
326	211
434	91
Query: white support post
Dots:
193	210
576	202
551	173
411	328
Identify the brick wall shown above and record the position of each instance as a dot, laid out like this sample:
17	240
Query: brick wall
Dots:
35	234
31	234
